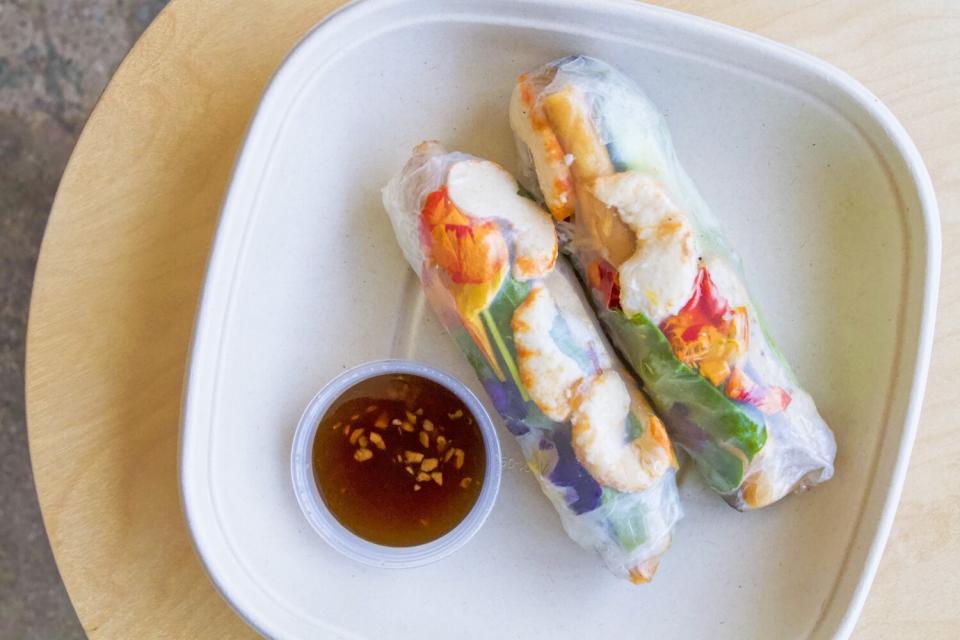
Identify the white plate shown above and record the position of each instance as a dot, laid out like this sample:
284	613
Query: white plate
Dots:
822	192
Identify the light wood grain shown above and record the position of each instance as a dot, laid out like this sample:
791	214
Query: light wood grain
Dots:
123	259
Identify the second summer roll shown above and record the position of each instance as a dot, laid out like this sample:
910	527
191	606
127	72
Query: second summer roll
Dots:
666	286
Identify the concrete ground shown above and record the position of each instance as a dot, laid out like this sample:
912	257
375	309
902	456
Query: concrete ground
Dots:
56	56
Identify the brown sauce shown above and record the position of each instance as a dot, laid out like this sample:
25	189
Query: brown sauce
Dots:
399	460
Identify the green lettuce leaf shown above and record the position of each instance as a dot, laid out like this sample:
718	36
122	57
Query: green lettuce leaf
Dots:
719	435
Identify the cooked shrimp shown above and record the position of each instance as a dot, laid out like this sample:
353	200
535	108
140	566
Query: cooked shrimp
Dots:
528	119
484	190
658	278
572	124
570	118
627	215
550	376
600	419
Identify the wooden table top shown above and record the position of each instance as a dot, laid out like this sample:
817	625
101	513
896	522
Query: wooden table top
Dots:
124	255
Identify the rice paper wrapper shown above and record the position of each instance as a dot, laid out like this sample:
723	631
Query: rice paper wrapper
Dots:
666	286
487	259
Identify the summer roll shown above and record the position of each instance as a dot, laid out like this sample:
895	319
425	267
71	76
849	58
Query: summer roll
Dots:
667	288
487	260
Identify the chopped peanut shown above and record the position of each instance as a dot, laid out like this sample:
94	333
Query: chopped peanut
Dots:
409	469
416	487
441	444
337	426
459	457
427	425
355	436
406	426
362	454
371	408
429	464
465	483
456	414
412	456
419	411
425	439
363	441
423	477
382	421
377	441
448	455
411	417
396	421
437	477
346	430
354	417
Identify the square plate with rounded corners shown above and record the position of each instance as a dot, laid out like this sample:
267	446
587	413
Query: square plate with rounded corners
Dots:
820	188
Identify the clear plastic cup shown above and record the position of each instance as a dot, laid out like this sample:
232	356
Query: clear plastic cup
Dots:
344	540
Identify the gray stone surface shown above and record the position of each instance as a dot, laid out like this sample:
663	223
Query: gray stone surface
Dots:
56	56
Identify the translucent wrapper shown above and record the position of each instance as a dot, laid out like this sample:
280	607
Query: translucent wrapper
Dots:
487	259
667	288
